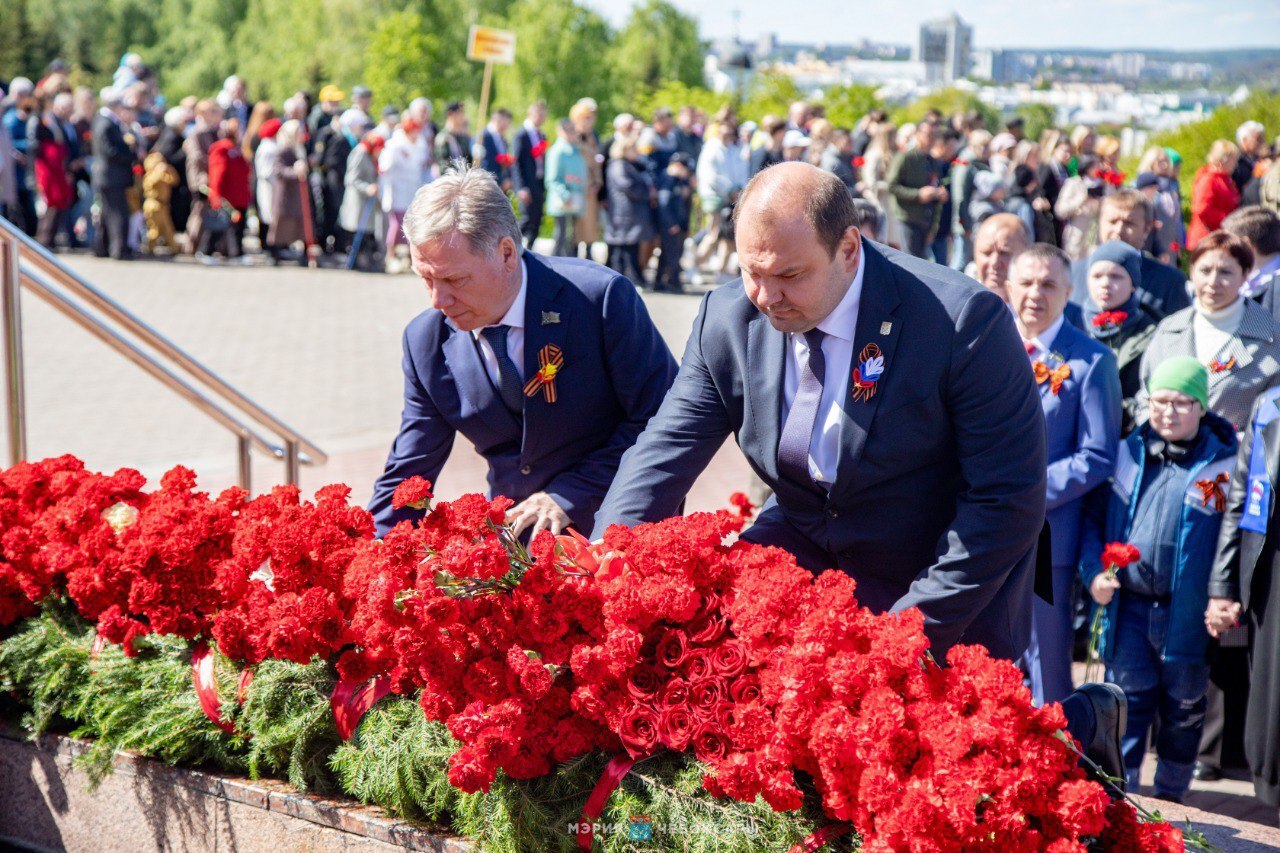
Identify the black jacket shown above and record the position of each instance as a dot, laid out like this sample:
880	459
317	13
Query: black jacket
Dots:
113	157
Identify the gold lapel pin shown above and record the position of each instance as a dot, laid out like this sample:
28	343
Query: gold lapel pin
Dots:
886	328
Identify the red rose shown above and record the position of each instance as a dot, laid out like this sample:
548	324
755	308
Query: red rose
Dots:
709	743
644	684
675	727
675	694
639	731
697	664
745	690
729	659
672	648
710	626
706	695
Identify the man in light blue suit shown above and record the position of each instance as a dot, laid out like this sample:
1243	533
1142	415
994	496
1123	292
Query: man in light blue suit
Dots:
550	366
889	403
1079	387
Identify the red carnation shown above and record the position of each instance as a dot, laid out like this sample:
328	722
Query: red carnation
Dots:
414	492
1118	555
742	505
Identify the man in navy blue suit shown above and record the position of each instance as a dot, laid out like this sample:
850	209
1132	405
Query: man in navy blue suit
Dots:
550	366
890	405
1080	395
495	158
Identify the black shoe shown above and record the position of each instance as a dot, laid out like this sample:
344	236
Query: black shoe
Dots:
1168	798
1110	714
1206	772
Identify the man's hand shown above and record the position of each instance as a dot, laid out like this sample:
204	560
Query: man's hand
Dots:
526	197
539	510
1223	613
1104	587
929	193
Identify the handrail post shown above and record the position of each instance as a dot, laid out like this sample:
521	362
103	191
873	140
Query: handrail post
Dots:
15	391
244	462
291	461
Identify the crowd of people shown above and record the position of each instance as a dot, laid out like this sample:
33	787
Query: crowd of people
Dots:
1152	385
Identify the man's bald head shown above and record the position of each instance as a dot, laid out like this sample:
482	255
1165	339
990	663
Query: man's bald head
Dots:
999	238
789	191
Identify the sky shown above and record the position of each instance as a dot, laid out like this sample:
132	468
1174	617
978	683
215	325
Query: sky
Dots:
1150	24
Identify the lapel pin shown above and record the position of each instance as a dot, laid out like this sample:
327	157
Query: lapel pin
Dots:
886	328
550	318
867	372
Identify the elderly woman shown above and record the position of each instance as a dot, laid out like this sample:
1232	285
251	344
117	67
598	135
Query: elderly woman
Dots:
629	221
1234	337
1114	316
361	212
721	175
287	176
1214	194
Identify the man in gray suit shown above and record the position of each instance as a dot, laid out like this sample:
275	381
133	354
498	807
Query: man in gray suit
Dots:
890	405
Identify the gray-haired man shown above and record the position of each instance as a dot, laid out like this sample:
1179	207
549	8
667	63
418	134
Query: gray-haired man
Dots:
551	367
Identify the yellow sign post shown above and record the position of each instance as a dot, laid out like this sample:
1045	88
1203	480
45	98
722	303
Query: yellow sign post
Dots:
489	45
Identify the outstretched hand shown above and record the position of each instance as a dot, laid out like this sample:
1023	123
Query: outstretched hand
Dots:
539	510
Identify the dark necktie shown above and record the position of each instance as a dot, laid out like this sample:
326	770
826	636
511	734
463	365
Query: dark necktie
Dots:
509	384
793	447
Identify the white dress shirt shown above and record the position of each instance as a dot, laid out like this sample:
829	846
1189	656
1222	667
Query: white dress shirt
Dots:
514	321
1044	341
840	327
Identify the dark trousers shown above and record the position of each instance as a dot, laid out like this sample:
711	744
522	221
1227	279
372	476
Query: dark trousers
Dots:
624	259
228	241
672	248
26	210
47	230
565	247
1222	743
112	237
530	216
917	239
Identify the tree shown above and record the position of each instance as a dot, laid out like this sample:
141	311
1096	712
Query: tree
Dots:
562	54
659	45
770	93
400	59
845	105
1037	118
675	96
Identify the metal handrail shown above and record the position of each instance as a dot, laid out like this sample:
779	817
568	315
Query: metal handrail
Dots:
18	247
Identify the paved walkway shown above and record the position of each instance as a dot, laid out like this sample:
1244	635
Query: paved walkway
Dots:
320	349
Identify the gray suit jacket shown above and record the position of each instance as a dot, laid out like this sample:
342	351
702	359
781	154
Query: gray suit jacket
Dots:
939	496
1255	350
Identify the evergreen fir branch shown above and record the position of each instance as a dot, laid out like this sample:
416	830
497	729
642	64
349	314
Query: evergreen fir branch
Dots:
290	721
45	662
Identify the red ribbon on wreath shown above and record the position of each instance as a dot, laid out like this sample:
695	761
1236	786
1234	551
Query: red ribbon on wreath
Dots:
821	837
550	360
617	768
206	685
351	700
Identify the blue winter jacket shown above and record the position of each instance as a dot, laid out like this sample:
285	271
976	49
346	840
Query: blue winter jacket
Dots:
1109	515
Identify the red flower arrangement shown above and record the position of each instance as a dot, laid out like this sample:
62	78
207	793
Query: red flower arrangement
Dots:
670	636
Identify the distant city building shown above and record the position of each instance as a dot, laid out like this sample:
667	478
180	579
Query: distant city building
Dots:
945	48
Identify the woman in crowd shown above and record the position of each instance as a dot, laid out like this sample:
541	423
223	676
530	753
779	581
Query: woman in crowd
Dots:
50	149
263	112
1078	206
288	175
401	166
721	174
170	146
586	228
229	192
1115	317
208	116
1167	240
361	212
629	219
875	179
1231	335
1214	194
264	164
566	182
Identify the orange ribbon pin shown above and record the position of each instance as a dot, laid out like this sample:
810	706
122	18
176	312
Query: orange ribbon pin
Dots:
550	361
1211	490
1216	366
1055	377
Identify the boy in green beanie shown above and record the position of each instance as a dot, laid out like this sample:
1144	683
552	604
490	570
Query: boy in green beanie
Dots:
1166	499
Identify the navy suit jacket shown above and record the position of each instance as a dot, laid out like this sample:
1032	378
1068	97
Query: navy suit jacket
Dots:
491	152
524	176
1082	424
1163	290
939	498
615	373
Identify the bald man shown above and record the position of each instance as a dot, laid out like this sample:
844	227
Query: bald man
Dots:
999	240
890	404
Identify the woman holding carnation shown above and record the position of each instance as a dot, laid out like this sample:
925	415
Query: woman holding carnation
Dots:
1167	498
1231	335
1114	316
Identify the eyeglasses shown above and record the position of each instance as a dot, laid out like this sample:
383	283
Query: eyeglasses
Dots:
1179	407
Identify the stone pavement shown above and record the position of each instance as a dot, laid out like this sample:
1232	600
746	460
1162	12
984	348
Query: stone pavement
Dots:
318	348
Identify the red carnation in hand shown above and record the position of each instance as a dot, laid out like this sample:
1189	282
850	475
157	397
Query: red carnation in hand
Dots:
1109	319
414	492
1118	555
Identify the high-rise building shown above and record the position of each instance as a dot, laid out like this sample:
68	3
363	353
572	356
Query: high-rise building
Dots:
945	48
